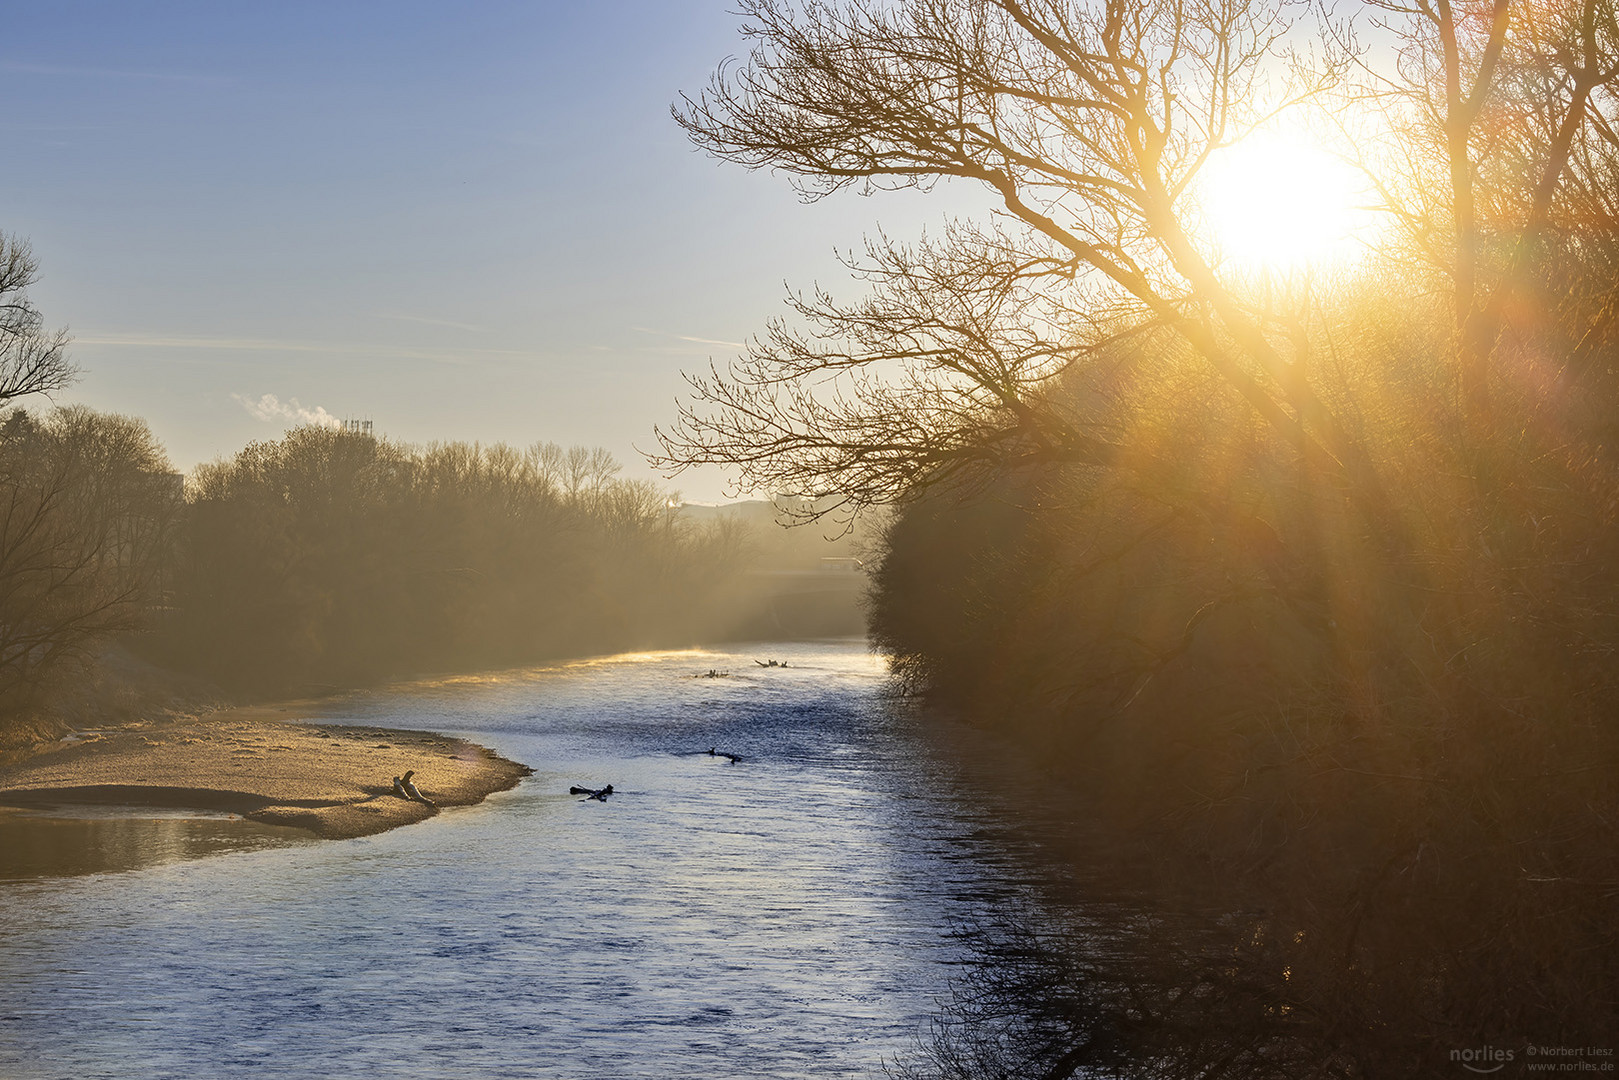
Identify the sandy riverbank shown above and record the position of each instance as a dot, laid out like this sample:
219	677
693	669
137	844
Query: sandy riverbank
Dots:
334	780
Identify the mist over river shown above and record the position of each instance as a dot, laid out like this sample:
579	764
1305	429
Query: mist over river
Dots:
793	914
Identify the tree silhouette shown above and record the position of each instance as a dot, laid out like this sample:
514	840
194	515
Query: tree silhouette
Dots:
1089	126
33	360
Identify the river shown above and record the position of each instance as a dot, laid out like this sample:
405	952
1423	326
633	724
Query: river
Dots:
792	914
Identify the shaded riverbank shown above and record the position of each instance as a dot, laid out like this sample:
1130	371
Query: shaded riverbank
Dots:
334	781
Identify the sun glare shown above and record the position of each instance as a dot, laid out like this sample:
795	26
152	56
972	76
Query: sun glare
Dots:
1271	203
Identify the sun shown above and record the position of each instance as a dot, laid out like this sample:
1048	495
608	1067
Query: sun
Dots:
1274	203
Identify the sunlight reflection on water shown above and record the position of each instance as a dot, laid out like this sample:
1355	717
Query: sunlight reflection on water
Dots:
789	915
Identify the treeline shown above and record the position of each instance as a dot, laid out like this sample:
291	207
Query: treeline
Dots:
328	557
331	559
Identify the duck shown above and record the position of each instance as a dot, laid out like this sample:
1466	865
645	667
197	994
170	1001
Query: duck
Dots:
411	791
734	758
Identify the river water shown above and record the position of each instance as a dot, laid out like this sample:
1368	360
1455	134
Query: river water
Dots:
792	914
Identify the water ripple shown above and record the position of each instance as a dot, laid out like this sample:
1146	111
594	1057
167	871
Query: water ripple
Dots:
790	915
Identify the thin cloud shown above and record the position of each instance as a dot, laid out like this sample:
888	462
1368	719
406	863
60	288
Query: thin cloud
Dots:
694	340
270	408
26	125
433	322
77	72
159	341
456	357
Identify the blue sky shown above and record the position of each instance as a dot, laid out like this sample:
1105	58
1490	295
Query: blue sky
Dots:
469	221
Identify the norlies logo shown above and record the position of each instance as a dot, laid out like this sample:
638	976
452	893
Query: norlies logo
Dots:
1483	1059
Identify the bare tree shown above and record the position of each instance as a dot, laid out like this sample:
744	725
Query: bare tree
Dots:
1504	118
1088	124
586	471
974	334
87	511
33	360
